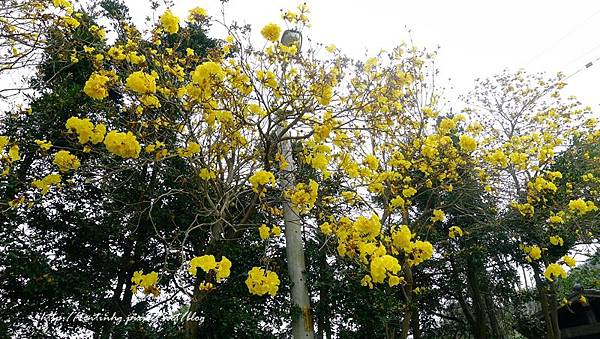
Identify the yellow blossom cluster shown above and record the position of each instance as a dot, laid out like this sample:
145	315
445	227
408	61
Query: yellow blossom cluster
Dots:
318	156
385	266
569	261
322	130
66	161
70	22
117	53
122	144
145	281
554	271
541	186
157	147
97	31
97	86
587	177
362	238
141	82
46	183
269	79
556	240
196	14
170	22
455	232
43	144
371	162
260	179
261	281
204	78
533	252
12	153
85	130
64	4
582	207
280	158
271	32
297	18
397	202
525	209
304	196
446	125
467	143
497	158
418	251
133	57
266	232
205	286
208	263
322	91
438	215
556	219
207	174
189	151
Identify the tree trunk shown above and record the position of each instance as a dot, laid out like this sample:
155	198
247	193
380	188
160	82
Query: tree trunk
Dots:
543	296
416	325
390	332
116	303
302	322
479	310
554	311
191	326
497	330
406	321
323	308
465	307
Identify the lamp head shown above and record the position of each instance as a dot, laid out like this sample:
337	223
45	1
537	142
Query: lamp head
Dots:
291	37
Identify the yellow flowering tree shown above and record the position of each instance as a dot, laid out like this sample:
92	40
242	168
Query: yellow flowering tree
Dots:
226	115
192	148
393	173
533	136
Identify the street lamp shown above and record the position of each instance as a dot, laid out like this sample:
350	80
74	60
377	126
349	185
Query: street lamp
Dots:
291	37
302	326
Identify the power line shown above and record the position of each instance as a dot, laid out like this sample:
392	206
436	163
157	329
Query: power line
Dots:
580	56
562	80
586	66
573	30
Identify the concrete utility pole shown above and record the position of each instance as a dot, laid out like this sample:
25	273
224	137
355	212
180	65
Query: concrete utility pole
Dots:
302	323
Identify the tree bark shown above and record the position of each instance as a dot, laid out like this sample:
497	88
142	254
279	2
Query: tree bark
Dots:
497	330
554	311
416	324
323	309
302	322
409	310
543	296
116	302
465	307
479	310
191	327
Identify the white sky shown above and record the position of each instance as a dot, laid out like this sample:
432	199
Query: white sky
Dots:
476	38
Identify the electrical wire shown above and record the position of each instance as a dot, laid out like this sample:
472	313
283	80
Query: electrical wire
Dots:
580	57
586	66
573	30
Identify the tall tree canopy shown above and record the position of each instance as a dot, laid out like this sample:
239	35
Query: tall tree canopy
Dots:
165	183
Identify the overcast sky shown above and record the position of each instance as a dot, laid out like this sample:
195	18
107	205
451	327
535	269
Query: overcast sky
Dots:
476	38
